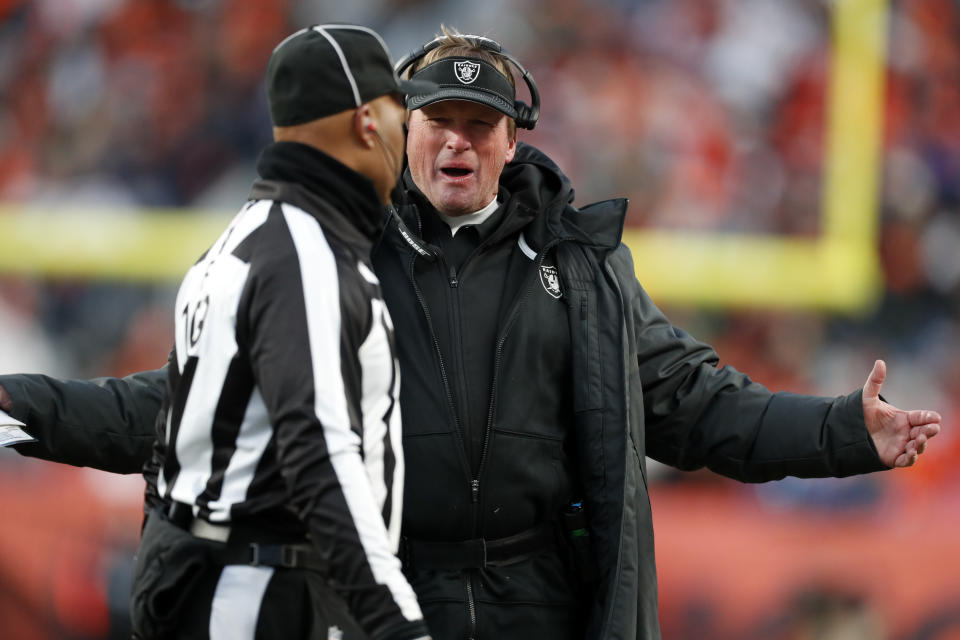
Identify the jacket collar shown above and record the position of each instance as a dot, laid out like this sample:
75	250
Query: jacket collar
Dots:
537	199
598	225
322	176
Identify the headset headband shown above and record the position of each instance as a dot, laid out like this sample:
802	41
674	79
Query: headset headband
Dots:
527	115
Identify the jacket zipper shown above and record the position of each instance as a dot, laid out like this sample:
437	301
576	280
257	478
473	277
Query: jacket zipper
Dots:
475	482
443	371
452	279
454	283
471	605
456	355
498	353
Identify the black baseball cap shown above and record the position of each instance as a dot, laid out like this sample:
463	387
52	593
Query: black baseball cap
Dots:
464	78
329	68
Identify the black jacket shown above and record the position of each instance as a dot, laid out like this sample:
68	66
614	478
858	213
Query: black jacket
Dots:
485	362
485	347
638	386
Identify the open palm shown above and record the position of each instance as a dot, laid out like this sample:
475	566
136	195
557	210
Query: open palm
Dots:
900	436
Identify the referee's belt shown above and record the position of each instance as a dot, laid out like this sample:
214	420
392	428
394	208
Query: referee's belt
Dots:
477	553
298	555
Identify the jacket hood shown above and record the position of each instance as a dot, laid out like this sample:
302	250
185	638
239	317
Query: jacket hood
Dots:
531	173
538	198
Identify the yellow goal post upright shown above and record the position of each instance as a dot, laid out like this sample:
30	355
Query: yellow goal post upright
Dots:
839	269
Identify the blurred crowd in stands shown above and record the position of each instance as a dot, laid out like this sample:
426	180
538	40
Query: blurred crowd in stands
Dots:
707	114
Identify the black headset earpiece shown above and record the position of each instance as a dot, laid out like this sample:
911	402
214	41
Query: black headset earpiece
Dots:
527	114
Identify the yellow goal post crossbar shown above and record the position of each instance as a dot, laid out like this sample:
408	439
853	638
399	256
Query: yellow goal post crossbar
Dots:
837	271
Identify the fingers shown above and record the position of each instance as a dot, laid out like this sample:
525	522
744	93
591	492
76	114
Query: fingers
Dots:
911	449
926	430
875	380
906	459
6	403
922	434
919	437
922	417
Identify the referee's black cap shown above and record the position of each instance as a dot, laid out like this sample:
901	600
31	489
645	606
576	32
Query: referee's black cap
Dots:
329	68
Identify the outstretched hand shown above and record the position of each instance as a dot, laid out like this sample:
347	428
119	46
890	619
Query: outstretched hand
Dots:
900	436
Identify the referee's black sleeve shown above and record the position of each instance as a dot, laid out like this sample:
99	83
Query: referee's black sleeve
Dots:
105	423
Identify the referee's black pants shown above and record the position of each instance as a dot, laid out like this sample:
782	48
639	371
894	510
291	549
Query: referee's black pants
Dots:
241	602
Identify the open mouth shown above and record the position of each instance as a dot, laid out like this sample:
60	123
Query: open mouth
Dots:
455	172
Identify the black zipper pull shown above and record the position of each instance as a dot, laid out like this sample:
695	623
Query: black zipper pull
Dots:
474	491
454	283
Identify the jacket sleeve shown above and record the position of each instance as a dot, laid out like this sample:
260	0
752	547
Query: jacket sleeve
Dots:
105	423
698	415
304	332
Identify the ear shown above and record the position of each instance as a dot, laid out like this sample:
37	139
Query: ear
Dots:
512	148
364	125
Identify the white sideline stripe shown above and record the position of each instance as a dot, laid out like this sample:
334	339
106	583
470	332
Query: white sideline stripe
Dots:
236	602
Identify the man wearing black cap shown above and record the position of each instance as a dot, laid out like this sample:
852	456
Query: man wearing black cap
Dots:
537	375
276	483
551	375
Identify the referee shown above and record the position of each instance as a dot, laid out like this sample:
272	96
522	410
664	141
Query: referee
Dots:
279	462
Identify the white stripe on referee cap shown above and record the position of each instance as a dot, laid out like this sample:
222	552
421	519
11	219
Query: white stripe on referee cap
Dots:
289	38
343	61
376	35
356	27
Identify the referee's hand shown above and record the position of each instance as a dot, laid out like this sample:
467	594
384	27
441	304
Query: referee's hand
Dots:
6	403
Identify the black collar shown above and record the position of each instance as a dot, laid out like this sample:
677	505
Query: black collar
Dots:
331	180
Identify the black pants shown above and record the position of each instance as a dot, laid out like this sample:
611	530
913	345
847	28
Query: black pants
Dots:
534	598
182	590
240	602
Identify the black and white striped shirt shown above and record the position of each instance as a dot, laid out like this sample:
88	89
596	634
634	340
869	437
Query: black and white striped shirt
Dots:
282	394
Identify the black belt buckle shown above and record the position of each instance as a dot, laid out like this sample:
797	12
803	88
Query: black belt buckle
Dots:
273	555
180	514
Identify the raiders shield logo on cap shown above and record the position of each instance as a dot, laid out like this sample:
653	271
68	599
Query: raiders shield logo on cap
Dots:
466	71
550	280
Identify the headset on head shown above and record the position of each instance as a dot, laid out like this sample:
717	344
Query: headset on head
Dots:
527	114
